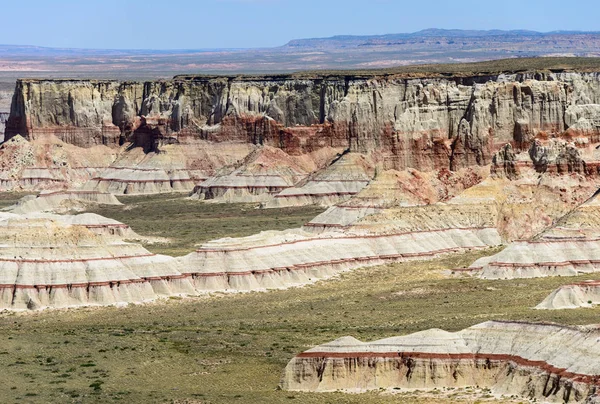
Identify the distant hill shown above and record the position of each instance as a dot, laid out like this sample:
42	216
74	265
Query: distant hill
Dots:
430	46
481	35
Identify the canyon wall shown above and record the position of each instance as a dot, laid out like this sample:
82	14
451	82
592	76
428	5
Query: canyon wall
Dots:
421	123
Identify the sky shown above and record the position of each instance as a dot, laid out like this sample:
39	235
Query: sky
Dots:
202	24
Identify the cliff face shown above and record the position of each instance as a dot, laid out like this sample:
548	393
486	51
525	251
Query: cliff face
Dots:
509	358
419	123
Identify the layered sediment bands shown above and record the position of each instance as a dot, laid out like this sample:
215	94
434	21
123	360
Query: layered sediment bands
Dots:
69	261
56	261
338	182
393	188
49	164
424	124
177	168
569	248
542	258
573	296
3	119
262	174
529	189
535	361
294	257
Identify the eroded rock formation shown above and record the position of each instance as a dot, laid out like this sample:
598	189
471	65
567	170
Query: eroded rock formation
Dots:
271	260
68	261
425	124
49	164
572	296
263	174
62	201
536	361
567	248
397	189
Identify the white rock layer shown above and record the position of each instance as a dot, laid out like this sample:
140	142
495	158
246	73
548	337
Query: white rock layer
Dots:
549	363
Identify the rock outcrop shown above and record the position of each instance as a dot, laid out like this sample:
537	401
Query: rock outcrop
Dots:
338	182
397	189
425	124
567	248
410	200
62	201
3	119
573	296
544	362
49	164
177	168
66	261
271	260
262	175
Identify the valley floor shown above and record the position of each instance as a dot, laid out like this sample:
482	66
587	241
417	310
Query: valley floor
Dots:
186	222
233	349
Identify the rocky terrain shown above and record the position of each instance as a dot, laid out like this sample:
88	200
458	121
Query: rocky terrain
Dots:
63	261
396	122
572	296
567	248
411	168
403	163
535	361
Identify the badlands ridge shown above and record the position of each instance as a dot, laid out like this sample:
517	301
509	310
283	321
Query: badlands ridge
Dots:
545	362
408	169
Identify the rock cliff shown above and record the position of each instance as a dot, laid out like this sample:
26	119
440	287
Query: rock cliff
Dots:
419	123
568	247
544	362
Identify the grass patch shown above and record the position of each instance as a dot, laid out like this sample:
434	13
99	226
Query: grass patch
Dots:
188	222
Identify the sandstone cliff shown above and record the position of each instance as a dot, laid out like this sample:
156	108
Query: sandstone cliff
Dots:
544	362
420	123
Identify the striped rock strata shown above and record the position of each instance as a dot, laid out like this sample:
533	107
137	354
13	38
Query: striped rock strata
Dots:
391	188
548	363
294	257
338	182
573	296
176	168
66	261
49	164
530	190
569	248
62	261
424	123
263	174
516	209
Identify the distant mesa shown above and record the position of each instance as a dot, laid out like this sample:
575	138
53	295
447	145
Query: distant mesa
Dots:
470	35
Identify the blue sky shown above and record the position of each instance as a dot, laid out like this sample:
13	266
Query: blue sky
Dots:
197	24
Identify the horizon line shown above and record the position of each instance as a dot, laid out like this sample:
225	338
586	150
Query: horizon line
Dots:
333	37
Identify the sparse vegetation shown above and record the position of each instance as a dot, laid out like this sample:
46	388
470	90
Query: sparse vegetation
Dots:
510	65
233	348
189	222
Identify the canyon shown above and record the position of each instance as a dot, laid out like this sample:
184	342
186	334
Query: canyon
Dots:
407	167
